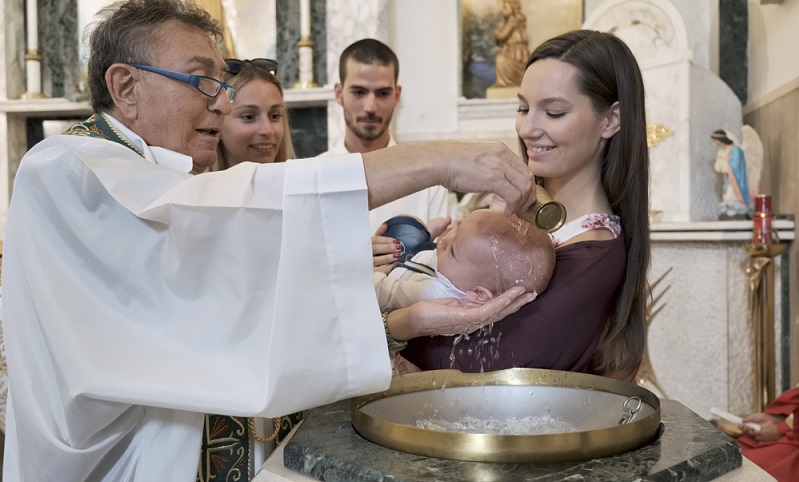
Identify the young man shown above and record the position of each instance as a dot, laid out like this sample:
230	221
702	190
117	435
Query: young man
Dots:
138	297
368	93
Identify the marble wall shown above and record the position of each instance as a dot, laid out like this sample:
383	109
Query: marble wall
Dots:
288	34
683	97
700	25
58	45
701	342
308	124
777	122
12	82
733	46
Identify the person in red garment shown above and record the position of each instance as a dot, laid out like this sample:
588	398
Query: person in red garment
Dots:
775	447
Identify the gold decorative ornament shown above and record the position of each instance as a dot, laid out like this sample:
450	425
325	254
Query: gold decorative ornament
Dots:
657	133
305	41
33	55
759	269
275	424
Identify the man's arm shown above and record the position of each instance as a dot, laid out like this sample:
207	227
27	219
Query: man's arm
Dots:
400	170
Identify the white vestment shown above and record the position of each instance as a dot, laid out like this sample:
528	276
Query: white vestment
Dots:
137	297
426	204
403	287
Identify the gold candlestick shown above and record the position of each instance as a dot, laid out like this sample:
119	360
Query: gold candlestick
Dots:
760	271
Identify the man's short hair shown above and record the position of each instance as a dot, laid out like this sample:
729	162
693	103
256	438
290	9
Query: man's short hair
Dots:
368	51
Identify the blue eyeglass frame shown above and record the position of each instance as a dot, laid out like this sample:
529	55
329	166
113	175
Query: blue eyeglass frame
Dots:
192	80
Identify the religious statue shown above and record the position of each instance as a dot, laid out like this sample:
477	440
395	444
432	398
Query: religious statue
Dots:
513	45
740	164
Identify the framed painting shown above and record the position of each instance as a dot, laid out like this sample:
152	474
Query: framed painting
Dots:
497	36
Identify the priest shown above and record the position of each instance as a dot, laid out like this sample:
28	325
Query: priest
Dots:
139	294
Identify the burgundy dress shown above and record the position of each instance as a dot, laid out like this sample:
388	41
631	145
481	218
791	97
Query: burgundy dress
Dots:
559	330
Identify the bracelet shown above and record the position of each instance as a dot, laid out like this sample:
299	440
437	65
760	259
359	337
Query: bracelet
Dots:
393	345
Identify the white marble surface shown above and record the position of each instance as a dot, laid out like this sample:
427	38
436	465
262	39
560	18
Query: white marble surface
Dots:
702	38
681	95
701	342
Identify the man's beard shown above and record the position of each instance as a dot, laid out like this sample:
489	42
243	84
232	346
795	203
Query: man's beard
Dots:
368	134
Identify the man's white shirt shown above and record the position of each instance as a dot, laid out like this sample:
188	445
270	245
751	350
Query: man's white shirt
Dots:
427	204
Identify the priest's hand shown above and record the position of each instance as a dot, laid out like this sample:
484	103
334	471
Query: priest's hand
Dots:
453	316
398	171
490	167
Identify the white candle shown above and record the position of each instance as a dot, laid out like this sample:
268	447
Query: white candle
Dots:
305	18
33	25
305	46
33	66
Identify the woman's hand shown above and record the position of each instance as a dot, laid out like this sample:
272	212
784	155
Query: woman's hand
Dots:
768	427
385	251
452	316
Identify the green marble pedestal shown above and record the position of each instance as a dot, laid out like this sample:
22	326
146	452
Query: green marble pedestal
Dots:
326	447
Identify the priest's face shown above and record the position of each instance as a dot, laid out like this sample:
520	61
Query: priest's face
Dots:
173	114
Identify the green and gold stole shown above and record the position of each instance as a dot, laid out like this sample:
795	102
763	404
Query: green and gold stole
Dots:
99	127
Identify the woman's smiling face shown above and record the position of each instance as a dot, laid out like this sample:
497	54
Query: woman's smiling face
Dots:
562	132
254	130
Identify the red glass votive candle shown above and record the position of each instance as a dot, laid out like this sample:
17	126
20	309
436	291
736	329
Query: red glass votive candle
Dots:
761	234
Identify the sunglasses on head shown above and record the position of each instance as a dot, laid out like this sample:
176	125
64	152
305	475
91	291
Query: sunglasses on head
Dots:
234	66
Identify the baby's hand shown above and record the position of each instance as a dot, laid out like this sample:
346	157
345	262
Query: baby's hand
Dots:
436	226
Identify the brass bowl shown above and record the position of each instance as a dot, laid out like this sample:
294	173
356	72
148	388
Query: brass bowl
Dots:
594	405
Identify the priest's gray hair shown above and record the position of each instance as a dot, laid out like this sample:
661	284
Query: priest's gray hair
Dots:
128	32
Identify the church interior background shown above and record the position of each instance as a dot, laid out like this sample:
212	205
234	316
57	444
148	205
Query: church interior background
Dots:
707	65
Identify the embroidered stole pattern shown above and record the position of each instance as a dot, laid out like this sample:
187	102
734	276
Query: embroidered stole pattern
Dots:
99	127
226	450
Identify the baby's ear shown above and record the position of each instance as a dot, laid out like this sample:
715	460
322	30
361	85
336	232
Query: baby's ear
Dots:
479	295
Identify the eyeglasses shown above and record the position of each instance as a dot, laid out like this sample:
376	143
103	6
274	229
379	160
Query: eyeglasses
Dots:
207	85
234	66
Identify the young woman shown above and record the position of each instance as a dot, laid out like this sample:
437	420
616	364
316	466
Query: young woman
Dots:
582	125
257	130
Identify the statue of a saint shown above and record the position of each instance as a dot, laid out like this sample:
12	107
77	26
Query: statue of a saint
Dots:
513	43
741	165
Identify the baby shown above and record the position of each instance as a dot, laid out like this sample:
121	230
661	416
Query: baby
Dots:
485	255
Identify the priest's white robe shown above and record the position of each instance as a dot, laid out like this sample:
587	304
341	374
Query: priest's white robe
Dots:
137	297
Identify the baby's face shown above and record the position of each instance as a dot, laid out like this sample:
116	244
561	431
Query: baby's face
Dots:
460	253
